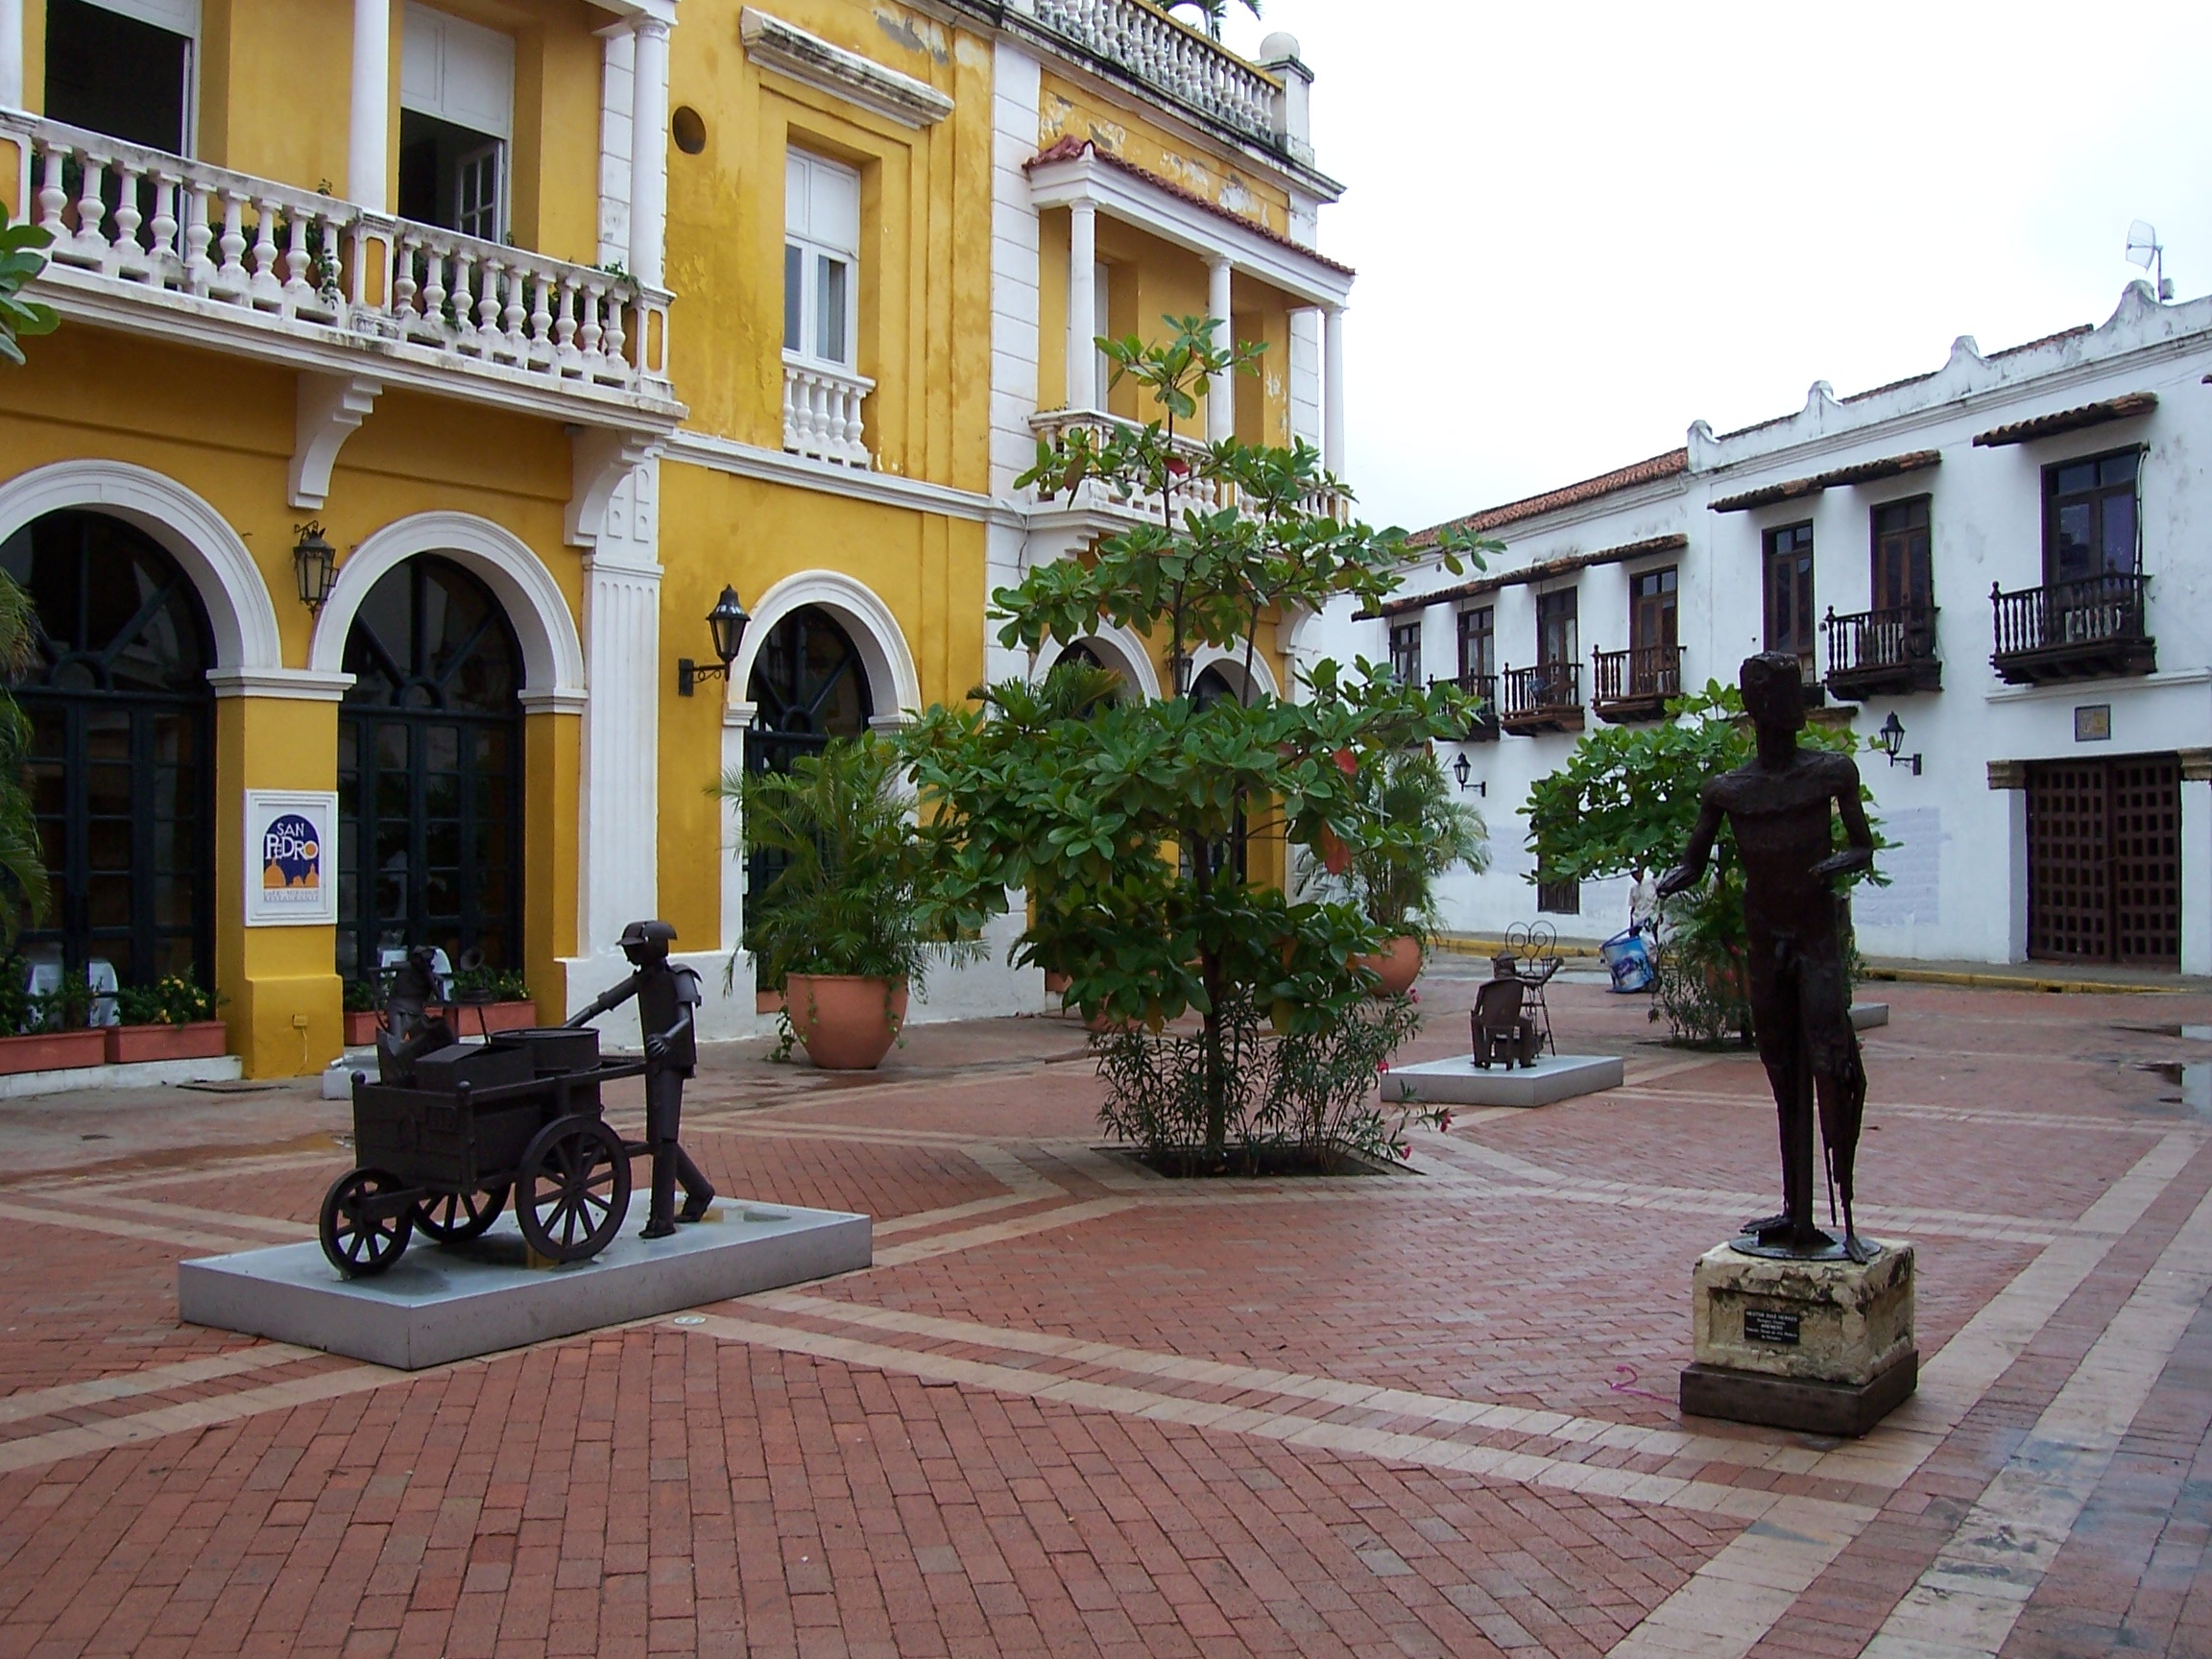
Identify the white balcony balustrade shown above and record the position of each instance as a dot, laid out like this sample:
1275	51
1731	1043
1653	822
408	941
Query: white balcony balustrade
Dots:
822	412
1192	493
1164	55
196	243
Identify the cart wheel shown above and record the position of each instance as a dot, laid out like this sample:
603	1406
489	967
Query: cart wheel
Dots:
361	1236
451	1218
572	1189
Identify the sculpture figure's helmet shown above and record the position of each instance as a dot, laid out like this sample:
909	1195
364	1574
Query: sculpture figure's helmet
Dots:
644	941
1773	686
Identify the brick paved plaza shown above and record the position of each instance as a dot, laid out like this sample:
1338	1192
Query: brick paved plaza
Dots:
1076	1409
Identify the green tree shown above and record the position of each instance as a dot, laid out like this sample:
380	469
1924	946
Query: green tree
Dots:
1625	803
1116	816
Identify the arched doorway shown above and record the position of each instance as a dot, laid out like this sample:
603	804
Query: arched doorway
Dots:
122	747
808	684
1212	686
430	772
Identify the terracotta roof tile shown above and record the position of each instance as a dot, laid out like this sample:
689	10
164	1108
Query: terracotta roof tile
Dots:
1573	495
1071	148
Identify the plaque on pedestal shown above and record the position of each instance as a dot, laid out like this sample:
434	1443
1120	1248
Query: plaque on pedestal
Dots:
1824	1346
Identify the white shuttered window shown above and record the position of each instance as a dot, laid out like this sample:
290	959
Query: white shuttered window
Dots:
821	258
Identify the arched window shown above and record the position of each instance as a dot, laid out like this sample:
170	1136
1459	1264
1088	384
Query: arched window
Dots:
808	684
430	772
1212	686
122	752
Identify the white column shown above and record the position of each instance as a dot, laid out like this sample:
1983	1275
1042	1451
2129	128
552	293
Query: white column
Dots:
1222	387
737	720
12	60
2197	861
368	149
648	149
619	879
1333	388
1082	306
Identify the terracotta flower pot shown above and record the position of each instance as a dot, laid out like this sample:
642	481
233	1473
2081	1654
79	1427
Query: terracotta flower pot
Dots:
1399	962
360	1027
53	1050
481	1018
844	1022
767	1003
1056	984
135	1044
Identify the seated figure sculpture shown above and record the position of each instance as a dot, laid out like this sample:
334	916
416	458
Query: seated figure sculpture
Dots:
1781	808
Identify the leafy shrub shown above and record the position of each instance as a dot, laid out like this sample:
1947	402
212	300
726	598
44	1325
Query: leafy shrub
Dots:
173	999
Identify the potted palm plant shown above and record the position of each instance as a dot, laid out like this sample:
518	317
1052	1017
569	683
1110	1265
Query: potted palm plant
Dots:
172	1019
843	933
1424	833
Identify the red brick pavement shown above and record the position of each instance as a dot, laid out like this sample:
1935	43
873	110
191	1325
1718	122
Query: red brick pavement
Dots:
827	1486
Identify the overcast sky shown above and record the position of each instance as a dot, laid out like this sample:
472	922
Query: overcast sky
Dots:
1578	228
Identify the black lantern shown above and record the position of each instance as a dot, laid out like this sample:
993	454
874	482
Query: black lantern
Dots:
726	626
316	560
1891	740
1460	768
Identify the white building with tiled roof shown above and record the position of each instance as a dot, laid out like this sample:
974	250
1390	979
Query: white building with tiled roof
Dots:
2009	559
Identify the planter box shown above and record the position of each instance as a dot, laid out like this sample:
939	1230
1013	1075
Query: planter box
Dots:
767	1003
360	1028
134	1045
463	1017
53	1050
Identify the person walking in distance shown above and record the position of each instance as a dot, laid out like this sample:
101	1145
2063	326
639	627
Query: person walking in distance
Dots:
1781	806
667	995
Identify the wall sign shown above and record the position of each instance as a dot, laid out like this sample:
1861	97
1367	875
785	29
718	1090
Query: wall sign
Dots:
291	858
1763	1325
2092	722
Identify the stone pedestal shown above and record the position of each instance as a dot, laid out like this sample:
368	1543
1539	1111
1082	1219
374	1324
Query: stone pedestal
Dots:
1823	1347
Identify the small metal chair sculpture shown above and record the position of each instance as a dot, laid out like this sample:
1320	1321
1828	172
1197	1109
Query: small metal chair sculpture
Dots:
1535	945
1502	1030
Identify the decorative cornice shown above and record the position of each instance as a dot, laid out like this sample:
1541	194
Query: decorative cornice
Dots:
774	467
292	685
771	43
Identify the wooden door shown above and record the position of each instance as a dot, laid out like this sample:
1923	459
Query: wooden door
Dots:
2104	860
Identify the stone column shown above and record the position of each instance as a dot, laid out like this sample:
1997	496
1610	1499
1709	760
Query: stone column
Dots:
368	149
1220	388
621	879
648	149
2009	777
738	716
2197	860
12	61
1082	306
1333	388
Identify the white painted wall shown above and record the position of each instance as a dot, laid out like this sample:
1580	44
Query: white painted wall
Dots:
1958	875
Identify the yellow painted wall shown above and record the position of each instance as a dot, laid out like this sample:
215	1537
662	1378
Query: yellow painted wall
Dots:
223	427
717	528
1065	109
924	277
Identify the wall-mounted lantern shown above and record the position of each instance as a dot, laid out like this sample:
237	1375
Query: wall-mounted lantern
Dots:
725	627
316	561
1460	768
1891	740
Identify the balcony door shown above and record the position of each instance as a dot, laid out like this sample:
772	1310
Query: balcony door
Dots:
430	772
456	122
2089	518
121	763
123	67
1653	605
1788	593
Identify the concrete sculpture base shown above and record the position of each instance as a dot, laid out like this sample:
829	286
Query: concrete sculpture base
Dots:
1459	1082
445	1302
1822	1347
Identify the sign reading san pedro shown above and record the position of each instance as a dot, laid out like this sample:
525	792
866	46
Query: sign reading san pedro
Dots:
291	858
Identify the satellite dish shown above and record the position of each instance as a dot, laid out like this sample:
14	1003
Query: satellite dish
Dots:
2145	249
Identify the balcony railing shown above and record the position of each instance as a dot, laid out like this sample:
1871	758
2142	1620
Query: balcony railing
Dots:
199	242
2089	629
1483	727
1164	55
1545	698
1192	492
821	413
1883	653
1635	684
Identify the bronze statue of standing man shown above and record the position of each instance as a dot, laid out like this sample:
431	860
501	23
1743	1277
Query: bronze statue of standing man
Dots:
1781	806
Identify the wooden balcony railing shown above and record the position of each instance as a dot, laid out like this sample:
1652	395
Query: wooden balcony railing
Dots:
1483	727
1635	684
1883	653
2094	628
1545	698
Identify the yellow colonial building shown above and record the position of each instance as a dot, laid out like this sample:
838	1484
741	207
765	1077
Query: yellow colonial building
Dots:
426	372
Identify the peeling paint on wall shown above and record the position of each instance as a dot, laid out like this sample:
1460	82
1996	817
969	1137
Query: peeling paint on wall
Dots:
914	34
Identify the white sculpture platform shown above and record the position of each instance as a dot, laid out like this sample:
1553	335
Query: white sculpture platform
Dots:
1459	1082
445	1302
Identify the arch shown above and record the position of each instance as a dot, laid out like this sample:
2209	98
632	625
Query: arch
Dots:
241	616
552	654
1119	649
1231	664
893	684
